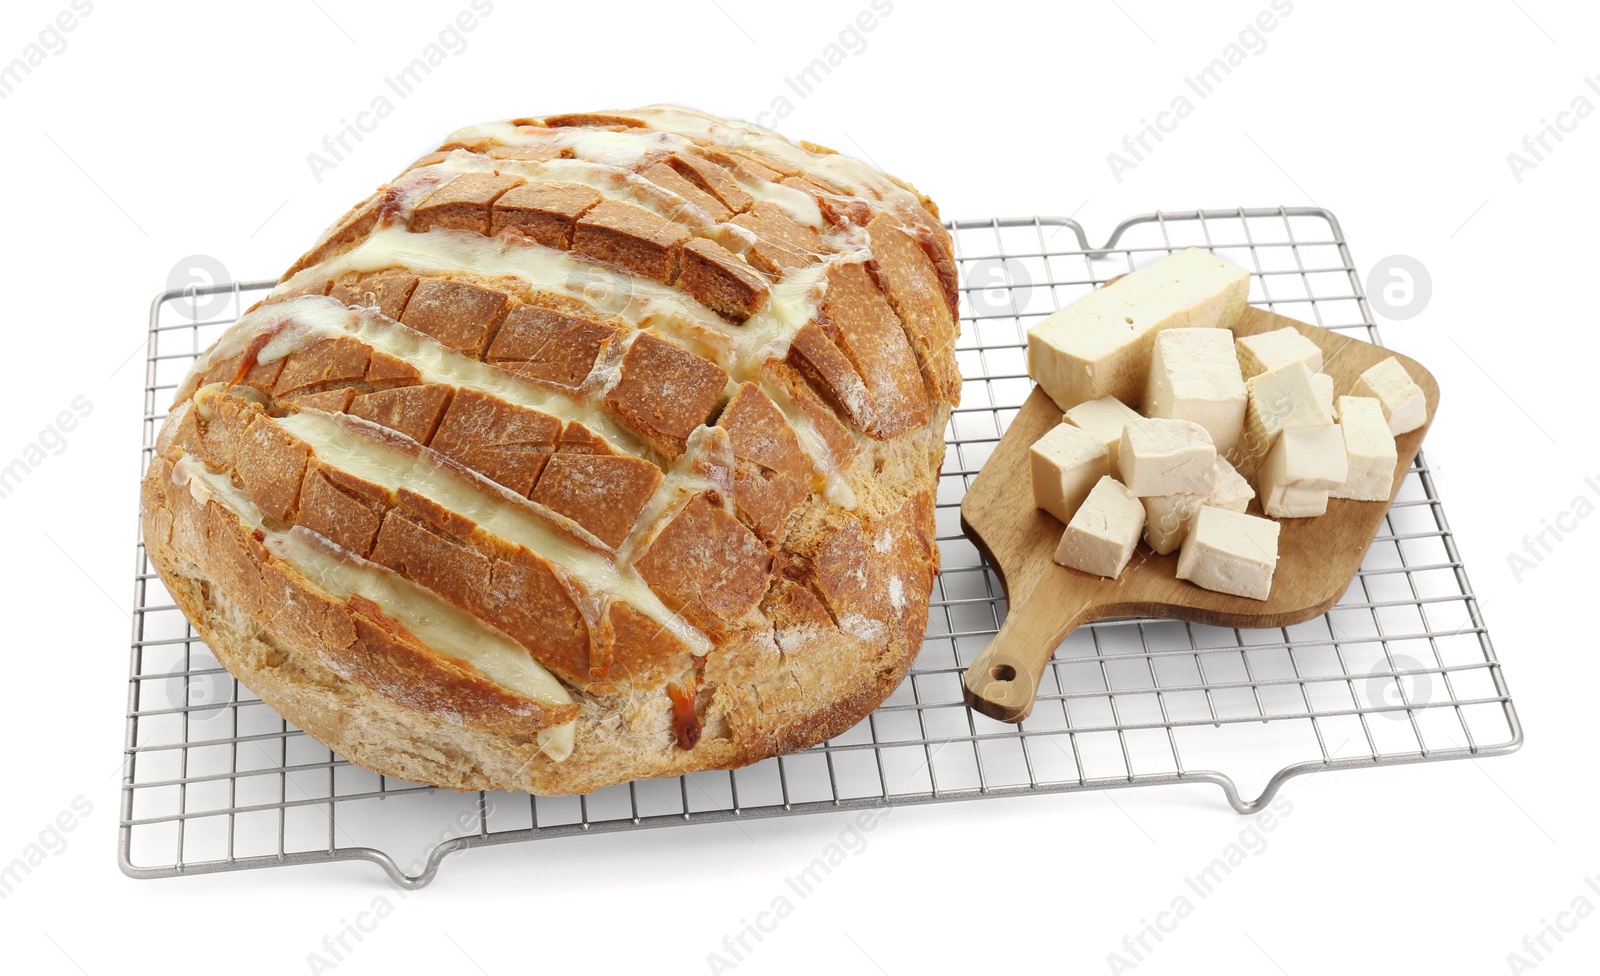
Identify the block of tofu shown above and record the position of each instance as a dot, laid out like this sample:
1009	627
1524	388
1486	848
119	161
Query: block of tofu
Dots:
1323	384
1280	399
1288	501
1067	463
1104	418
1369	450
1102	535
1233	490
1167	457
1168	518
1303	466
1194	375
1100	345
1272	350
1404	404
1230	552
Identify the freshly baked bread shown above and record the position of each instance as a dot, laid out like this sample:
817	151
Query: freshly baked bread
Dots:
591	448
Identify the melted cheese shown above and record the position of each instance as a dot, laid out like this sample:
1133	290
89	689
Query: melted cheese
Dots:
742	348
767	334
643	302
739	349
679	483
442	627
626	149
835	487
315	315
628	145
799	205
335	441
607	158
611	182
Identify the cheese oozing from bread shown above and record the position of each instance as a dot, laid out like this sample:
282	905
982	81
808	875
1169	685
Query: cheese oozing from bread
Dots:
442	627
593	366
740	349
333	438
289	323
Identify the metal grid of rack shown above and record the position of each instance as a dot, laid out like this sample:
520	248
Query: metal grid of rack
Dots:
1400	671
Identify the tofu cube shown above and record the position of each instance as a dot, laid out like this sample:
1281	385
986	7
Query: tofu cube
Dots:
1404	404
1230	552
1194	375
1104	418
1066	464
1323	384
1280	399
1168	518
1167	457
1369	450
1266	351
1101	537
1100	345
1291	501
1305	463
1232	490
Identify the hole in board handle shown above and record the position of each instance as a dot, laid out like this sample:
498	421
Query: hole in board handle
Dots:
1003	672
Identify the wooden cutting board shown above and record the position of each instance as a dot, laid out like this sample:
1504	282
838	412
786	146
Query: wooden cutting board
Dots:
1317	557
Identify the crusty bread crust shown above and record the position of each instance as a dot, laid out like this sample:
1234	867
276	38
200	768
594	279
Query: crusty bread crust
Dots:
774	692
750	436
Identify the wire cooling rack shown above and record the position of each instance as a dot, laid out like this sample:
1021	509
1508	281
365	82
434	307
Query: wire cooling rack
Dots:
1400	671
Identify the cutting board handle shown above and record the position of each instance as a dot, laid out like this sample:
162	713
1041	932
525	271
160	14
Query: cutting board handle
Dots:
1004	679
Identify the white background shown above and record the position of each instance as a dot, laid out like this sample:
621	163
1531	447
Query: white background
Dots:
162	131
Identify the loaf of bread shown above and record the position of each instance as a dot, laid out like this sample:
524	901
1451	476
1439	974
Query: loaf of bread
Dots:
593	447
